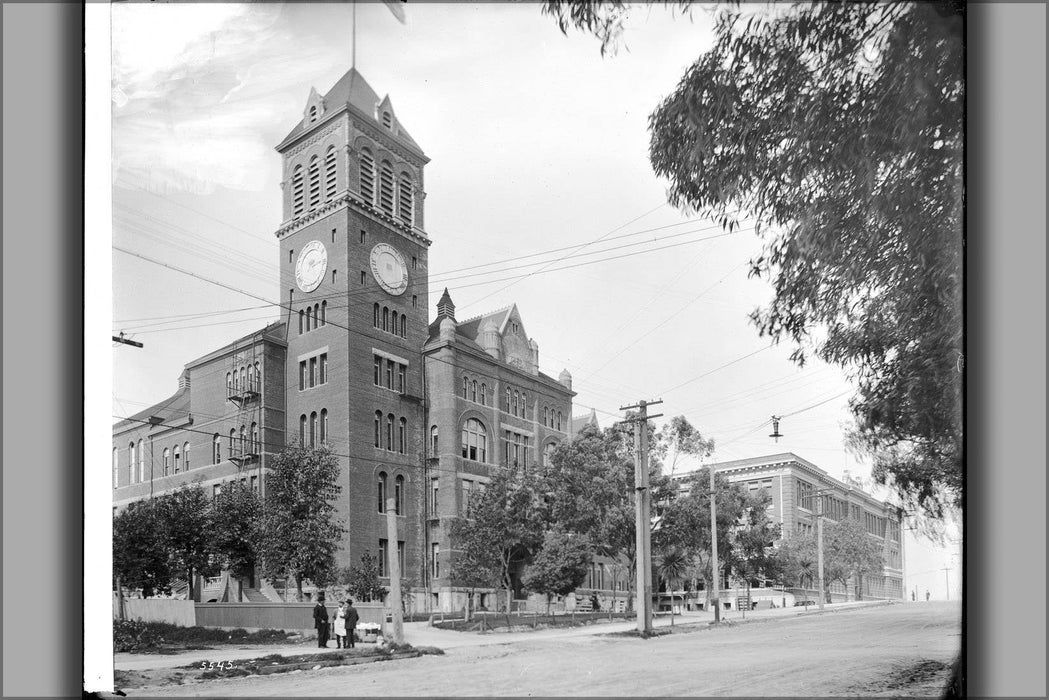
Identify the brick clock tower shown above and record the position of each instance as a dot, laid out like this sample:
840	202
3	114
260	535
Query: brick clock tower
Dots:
353	271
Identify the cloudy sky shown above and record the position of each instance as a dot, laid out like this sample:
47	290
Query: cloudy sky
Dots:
538	147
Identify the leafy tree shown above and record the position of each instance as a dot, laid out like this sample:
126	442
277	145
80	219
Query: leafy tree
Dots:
506	521
681	439
560	565
140	556
796	561
234	517
839	129
752	554
362	581
298	532
477	563
184	516
849	552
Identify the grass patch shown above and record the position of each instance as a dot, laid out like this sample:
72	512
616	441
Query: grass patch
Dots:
137	636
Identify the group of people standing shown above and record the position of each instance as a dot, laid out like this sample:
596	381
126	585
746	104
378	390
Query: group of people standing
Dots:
344	623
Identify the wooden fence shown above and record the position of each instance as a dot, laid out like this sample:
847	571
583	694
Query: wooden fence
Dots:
176	612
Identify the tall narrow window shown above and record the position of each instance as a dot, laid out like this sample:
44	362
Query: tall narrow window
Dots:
302	317
131	461
389	432
255	446
386	188
404	200
473	390
313	372
367	178
524	405
324	426
297	203
142	461
398	496
404	326
401	378
309	318
323	378
377	367
402	436
302	375
178	459
385	318
435	484
517	396
466	386
116	467
384	569
315	182
382	492
375	314
258	378
484	393
546	416
559	420
324	307
216	449
509	394
378	425
302	431
313	429
329	173
389	374
167	461
435	552
433	441
394	324
243	438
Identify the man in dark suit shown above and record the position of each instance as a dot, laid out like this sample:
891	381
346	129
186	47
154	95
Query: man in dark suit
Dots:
351	622
320	621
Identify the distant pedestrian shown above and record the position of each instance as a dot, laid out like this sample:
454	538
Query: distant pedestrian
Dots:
320	621
595	604
339	626
926	594
351	622
912	595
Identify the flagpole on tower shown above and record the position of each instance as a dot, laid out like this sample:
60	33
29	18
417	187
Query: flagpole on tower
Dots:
353	39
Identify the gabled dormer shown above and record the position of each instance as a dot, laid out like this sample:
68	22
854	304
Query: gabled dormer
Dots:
314	109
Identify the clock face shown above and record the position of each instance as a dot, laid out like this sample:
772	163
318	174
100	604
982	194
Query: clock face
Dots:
311	266
389	269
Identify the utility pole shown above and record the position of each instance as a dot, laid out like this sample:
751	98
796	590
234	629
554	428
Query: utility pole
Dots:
393	551
643	540
715	574
124	341
947	580
819	545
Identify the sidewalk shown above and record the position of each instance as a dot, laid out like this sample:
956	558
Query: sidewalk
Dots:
421	634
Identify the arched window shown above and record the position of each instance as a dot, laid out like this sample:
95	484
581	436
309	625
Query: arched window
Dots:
178	459
229	384
404	200
324	425
546	416
131	461
433	441
309	318
404	326
236	380
216	449
475	440
524	405
167	461
367	176
243	378
375	319
141	462
548	450
314	429
389	432
402	436
258	377
559	420
382	492
473	391
484	394
315	182
385	318
116	467
386	188
387	120
255	442
378	424
330	181
324	312
393	324
398	495
297	204
302	430
509	394
466	386
513	408
243	438
313	113
302	315
185	451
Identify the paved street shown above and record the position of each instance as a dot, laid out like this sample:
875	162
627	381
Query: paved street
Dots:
892	650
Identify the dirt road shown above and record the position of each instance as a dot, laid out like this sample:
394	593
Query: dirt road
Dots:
900	649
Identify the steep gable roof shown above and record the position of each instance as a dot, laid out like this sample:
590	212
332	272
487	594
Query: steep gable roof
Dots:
353	90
